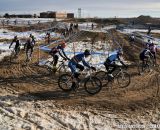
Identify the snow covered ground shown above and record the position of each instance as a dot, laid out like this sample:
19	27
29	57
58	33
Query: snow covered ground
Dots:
7	34
140	30
25	21
43	115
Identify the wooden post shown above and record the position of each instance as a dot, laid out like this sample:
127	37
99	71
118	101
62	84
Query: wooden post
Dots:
38	53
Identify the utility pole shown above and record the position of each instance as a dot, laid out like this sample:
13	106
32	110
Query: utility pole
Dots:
79	12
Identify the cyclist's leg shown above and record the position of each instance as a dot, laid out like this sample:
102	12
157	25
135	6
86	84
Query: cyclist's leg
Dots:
114	66
27	51
73	70
31	51
15	51
55	58
79	66
142	58
154	57
72	67
106	64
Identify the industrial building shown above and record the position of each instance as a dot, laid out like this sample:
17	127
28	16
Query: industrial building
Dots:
50	14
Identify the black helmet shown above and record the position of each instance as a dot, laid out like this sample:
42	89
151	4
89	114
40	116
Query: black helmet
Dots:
15	37
87	52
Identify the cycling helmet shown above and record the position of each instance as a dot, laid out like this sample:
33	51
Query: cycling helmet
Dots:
63	44
15	37
87	52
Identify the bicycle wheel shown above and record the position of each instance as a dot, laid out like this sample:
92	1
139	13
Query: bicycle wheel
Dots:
143	68
123	79
65	82
156	68
13	58
102	75
92	85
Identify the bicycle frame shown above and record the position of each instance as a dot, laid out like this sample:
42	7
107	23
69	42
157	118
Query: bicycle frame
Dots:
87	75
61	65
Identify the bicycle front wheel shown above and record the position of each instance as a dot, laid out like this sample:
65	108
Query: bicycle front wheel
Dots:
65	82
93	85
142	68
123	79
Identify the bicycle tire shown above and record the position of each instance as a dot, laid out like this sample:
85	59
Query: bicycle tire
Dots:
123	77
67	81
143	69
13	58
102	75
92	82
157	68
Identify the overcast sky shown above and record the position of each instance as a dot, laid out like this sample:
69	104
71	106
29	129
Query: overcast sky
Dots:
90	8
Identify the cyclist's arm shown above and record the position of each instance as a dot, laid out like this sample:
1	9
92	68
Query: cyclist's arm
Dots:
148	52
121	61
63	54
11	44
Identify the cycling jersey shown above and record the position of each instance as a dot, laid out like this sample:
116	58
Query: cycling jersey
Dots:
78	58
153	48
55	50
74	62
113	58
146	53
17	43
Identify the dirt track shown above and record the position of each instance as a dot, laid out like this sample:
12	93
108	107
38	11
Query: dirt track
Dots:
35	92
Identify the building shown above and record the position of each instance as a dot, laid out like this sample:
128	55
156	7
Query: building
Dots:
48	14
70	15
51	14
19	16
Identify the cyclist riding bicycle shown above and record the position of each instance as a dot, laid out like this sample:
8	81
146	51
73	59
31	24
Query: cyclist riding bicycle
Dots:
111	62
30	45
153	49
74	63
145	55
58	50
17	46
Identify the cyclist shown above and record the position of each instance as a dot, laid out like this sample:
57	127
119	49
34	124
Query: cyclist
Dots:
145	55
148	43
153	49
111	62
17	46
29	46
48	37
74	63
58	50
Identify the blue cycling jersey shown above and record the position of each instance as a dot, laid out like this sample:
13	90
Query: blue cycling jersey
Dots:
113	57
78	58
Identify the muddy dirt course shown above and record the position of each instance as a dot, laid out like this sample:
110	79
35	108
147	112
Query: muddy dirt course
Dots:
30	98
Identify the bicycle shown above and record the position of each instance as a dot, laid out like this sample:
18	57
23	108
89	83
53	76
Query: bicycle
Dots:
28	57
14	55
122	77
92	84
148	65
62	67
